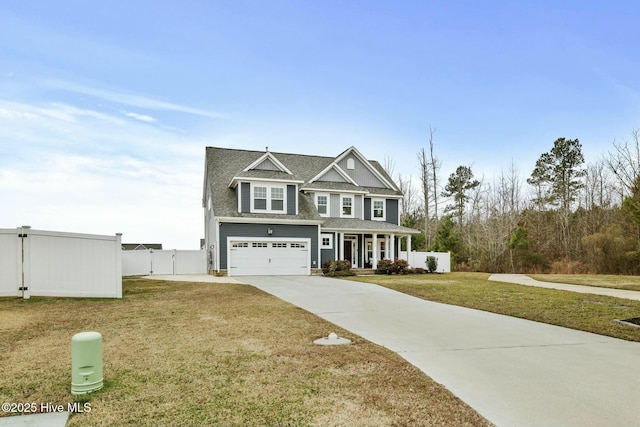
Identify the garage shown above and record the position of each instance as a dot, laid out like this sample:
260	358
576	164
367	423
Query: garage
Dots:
268	257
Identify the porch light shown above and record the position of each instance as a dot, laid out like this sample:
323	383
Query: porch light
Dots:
269	231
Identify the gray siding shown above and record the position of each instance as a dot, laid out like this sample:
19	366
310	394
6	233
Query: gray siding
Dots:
267	165
245	193
357	208
332	176
392	211
367	208
336	206
292	199
260	231
361	174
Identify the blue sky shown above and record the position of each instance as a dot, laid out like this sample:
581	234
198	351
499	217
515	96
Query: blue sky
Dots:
106	107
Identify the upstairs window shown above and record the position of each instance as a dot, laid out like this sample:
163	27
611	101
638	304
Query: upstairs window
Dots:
322	201
277	199
260	198
347	206
268	199
378	210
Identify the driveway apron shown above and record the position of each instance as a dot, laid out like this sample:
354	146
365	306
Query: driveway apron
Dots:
512	371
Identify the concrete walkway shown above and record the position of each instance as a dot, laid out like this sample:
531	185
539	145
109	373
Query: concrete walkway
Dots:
522	279
54	419
514	372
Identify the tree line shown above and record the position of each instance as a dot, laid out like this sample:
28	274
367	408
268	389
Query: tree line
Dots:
565	217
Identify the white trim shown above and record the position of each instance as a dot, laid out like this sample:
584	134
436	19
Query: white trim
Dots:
273	159
328	196
384	196
325	236
249	220
333	191
236	179
305	240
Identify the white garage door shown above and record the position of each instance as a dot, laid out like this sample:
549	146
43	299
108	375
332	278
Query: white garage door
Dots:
268	257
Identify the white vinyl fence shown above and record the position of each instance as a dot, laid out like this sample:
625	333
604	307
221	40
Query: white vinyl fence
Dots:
50	263
418	260
150	261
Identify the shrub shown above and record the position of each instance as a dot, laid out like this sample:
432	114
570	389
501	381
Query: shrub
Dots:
337	268
432	264
399	266
384	266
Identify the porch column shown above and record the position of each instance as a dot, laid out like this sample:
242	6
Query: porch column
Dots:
392	246
409	248
374	260
340	245
386	247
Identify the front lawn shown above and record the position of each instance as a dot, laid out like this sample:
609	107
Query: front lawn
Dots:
195	354
630	283
591	313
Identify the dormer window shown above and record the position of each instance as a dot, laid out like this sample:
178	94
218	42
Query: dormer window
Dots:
260	198
269	199
277	198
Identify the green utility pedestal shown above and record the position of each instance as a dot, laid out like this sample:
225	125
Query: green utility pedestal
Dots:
86	362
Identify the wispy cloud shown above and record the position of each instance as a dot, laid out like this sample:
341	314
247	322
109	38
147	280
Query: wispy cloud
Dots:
131	99
141	117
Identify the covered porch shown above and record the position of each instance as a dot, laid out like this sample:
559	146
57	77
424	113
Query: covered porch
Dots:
363	243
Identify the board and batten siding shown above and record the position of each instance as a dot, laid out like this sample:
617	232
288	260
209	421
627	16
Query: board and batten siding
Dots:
361	174
259	231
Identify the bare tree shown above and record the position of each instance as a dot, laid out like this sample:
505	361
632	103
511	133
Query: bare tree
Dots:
435	167
426	193
429	167
624	162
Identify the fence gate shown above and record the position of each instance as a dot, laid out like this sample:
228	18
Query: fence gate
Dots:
13	281
49	263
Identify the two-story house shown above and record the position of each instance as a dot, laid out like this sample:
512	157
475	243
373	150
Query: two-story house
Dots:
282	213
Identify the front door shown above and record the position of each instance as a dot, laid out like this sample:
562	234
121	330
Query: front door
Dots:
350	250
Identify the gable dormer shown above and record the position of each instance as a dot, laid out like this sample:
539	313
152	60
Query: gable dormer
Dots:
333	173
268	162
361	170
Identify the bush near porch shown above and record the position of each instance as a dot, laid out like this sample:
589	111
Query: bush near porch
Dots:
337	268
399	266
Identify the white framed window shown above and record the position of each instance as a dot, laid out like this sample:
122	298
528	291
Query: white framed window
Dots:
260	198
378	210
277	198
268	198
322	203
347	206
259	245
326	241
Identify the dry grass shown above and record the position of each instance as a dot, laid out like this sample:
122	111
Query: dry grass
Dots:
212	354
585	312
631	283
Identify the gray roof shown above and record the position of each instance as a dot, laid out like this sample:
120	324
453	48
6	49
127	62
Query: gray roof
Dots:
355	224
225	164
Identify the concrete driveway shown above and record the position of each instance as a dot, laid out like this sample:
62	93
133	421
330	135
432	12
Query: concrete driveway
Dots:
514	372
